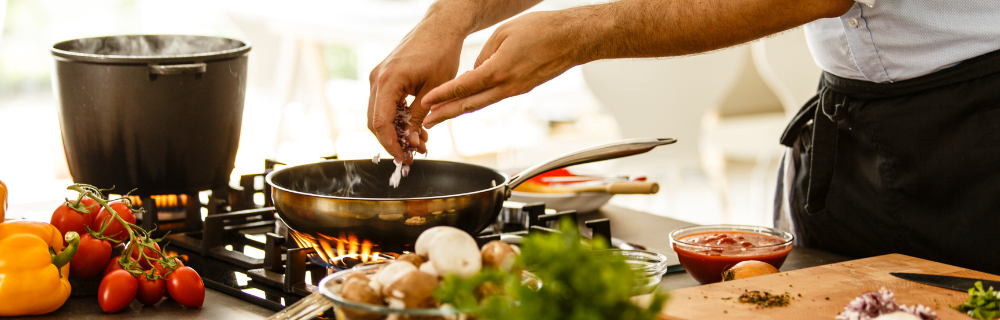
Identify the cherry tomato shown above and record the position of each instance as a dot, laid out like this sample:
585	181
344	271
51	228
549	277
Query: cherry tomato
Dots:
150	291
117	291
185	287
152	254
163	270
114	265
115	229
91	258
66	219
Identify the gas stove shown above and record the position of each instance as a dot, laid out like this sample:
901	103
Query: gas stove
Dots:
235	241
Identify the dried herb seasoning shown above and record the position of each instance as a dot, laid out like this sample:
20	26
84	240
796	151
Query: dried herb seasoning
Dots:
765	299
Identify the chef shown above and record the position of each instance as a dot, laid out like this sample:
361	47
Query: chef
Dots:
899	151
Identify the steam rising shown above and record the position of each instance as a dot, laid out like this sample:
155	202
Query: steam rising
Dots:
151	45
335	185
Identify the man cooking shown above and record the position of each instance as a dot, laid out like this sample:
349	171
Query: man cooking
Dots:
899	152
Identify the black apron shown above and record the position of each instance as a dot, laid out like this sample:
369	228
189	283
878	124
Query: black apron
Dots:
910	167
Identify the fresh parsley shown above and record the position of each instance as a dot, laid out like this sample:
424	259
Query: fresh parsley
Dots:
982	304
575	285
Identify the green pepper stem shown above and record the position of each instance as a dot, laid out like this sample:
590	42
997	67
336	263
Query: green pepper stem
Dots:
62	258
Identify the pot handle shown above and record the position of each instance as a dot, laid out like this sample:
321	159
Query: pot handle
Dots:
603	152
177	68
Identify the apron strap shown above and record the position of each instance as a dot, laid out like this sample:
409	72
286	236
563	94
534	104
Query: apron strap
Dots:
822	113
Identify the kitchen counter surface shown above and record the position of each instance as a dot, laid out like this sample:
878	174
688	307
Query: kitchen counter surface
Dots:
629	225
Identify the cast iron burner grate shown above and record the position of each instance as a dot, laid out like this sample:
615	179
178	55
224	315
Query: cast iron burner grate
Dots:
243	250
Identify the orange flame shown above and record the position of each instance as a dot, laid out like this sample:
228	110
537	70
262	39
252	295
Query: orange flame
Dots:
343	246
163	201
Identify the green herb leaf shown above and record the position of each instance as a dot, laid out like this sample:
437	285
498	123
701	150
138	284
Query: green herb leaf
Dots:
982	304
576	284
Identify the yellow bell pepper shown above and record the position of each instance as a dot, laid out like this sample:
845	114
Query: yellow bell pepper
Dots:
33	279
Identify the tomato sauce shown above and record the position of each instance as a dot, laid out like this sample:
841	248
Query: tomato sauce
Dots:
706	255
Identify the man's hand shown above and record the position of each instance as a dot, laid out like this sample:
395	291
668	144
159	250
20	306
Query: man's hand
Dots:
423	60
427	57
520	55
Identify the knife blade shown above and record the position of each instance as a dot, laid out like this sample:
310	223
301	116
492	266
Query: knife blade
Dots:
947	282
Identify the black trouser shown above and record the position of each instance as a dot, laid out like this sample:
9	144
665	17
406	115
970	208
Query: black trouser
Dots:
911	167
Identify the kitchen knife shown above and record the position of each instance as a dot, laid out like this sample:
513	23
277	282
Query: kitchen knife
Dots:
947	282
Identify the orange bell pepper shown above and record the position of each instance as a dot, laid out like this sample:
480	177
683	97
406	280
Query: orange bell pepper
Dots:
34	268
3	200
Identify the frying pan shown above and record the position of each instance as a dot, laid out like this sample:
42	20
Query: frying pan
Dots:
354	196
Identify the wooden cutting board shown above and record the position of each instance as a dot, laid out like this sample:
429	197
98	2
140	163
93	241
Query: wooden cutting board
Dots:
824	290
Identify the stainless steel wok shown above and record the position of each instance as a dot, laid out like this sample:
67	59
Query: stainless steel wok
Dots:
353	196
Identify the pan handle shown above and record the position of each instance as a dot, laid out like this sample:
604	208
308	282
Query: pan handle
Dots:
603	152
168	69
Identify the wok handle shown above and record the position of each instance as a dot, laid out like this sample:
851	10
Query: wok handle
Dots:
603	152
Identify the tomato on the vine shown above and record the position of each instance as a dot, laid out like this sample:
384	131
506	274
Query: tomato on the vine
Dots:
114	265
117	291
67	219
150	291
91	258
152	254
185	287
115	229
163	270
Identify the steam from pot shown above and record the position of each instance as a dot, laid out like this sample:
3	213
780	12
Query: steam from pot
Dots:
152	45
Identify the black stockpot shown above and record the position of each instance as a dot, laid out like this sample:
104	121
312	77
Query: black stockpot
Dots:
156	113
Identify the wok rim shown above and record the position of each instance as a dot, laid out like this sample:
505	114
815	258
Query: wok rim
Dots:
268	179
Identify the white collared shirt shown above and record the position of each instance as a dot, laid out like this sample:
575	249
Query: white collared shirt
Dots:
892	40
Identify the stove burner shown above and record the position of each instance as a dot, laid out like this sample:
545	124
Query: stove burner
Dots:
242	249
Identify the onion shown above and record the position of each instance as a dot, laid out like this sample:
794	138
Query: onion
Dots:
747	269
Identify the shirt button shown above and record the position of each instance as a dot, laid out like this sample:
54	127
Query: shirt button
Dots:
853	22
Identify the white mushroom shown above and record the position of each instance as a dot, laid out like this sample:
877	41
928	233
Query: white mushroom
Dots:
357	289
414	290
424	240
392	272
498	254
412	258
428	268
455	252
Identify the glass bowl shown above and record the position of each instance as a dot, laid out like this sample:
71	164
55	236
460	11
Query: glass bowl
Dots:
650	265
706	261
329	297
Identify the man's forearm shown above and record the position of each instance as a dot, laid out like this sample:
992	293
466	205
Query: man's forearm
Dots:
661	28
468	16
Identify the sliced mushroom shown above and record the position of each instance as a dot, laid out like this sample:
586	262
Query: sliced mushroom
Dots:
455	252
498	254
412	258
414	290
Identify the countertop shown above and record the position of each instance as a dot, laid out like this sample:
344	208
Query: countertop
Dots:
626	224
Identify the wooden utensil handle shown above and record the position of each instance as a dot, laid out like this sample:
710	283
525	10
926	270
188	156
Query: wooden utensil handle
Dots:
620	188
633	188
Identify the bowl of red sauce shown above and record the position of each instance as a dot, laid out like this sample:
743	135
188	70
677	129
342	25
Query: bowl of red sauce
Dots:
706	251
